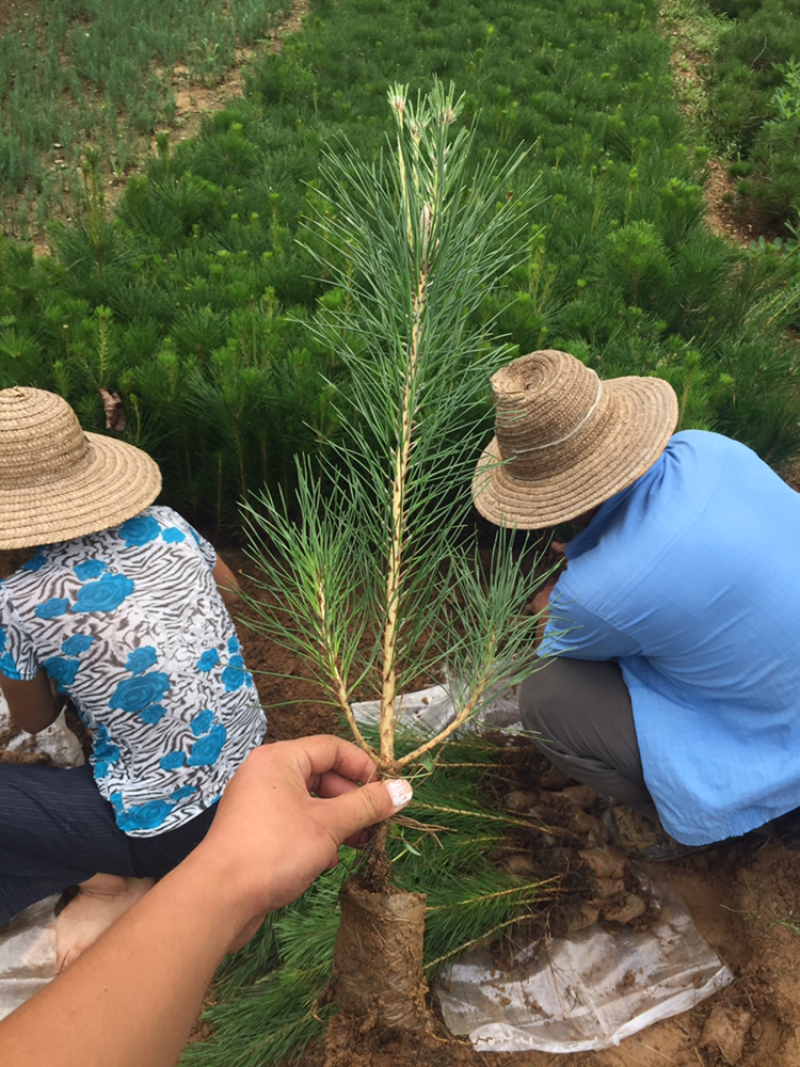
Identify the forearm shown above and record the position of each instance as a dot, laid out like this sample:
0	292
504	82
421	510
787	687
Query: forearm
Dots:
227	583
132	998
541	605
33	704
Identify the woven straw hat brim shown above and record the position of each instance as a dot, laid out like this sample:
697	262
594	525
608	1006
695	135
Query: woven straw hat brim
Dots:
641	416
117	483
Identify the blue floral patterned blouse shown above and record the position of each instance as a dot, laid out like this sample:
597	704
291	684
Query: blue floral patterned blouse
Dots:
130	623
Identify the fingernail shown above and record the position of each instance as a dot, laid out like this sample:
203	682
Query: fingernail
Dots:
400	791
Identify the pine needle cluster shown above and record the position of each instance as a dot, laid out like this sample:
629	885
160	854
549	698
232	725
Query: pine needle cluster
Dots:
377	578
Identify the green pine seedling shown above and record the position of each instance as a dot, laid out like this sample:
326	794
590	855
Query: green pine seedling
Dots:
374	579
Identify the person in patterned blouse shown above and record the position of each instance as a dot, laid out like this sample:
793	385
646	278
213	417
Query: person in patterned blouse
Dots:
123	609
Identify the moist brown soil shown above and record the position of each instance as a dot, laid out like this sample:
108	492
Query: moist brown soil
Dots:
743	895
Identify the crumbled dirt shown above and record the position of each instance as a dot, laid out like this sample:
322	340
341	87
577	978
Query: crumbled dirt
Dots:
743	895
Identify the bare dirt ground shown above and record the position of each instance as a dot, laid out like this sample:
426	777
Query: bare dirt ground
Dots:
744	897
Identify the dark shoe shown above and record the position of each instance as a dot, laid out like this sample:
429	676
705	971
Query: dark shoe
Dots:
641	839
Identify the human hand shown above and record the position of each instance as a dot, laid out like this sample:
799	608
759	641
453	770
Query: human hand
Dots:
284	814
278	826
556	557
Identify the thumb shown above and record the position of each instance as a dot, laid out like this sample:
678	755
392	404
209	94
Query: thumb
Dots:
354	811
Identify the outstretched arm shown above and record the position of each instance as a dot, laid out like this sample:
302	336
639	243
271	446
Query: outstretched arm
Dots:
131	999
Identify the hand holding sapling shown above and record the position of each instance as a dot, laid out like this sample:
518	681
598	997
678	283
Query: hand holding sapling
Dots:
305	798
132	996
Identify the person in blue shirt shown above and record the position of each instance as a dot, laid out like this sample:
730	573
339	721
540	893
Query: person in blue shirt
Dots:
672	680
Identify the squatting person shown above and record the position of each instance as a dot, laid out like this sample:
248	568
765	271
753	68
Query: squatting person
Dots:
674	628
122	608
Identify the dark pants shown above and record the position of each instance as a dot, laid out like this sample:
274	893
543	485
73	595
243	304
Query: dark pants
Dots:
57	830
582	713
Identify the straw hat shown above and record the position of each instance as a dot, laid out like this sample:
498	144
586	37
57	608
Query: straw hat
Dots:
567	441
57	482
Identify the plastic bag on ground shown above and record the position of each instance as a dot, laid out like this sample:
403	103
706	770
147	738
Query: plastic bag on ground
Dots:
585	991
27	954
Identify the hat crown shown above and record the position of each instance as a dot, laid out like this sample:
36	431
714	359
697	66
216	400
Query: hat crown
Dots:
41	440
543	400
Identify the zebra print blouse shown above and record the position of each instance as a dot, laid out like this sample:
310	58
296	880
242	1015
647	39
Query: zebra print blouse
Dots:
129	623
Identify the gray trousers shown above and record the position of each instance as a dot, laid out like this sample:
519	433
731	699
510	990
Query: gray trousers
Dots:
581	713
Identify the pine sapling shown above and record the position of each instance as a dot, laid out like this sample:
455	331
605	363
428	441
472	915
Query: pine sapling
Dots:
374	578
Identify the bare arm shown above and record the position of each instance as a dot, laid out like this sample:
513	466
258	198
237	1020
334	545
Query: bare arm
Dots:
227	582
131	999
541	603
34	705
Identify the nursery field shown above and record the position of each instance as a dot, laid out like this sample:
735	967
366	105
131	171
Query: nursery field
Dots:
199	301
226	302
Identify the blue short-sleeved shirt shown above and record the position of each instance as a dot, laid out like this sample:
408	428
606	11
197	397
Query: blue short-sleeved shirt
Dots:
130	623
690	577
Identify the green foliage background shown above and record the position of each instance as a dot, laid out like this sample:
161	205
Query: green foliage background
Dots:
192	300
755	96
